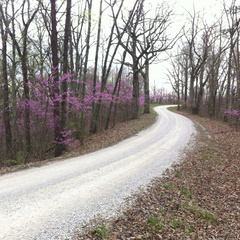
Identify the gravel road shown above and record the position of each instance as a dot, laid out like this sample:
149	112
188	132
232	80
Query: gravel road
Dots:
53	201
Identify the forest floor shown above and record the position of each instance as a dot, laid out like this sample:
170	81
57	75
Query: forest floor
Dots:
199	198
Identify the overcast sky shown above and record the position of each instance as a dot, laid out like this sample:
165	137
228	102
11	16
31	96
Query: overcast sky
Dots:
210	8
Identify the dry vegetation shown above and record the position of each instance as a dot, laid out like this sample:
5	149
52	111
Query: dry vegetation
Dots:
198	199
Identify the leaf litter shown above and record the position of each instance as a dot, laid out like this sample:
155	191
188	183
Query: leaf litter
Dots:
199	198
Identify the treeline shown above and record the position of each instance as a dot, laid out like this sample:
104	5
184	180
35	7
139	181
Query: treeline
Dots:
205	72
72	68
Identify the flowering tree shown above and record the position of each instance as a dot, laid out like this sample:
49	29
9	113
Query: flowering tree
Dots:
42	104
51	97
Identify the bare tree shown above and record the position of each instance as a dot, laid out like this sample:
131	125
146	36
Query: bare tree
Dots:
23	55
154	41
93	127
108	58
115	90
86	64
77	39
6	108
175	77
197	55
233	32
55	75
67	34
12	74
200	61
215	68
147	40
131	29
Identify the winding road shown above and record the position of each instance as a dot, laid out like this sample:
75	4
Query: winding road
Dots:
53	201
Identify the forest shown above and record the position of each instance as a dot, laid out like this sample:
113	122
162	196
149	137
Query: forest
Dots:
73	68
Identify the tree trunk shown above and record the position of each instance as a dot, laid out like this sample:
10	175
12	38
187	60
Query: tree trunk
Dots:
27	107
67	35
15	139
117	86
146	89
93	125
191	91
85	69
229	71
196	108
186	83
6	108
55	75
135	94
106	69
213	88
22	52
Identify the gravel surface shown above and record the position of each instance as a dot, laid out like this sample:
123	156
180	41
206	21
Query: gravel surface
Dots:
50	202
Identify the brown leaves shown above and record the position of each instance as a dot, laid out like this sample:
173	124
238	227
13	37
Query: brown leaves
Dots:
198	199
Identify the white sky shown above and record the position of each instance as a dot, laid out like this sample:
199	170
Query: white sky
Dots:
210	8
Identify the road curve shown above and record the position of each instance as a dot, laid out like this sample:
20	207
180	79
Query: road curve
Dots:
50	202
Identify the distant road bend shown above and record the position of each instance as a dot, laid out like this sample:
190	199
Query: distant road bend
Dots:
52	201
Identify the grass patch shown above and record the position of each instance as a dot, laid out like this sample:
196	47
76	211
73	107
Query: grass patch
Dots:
155	224
101	231
201	213
173	109
162	211
155	105
190	229
152	111
168	185
178	175
208	216
186	194
176	223
153	221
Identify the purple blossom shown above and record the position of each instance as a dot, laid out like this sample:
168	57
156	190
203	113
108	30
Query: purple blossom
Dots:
41	105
